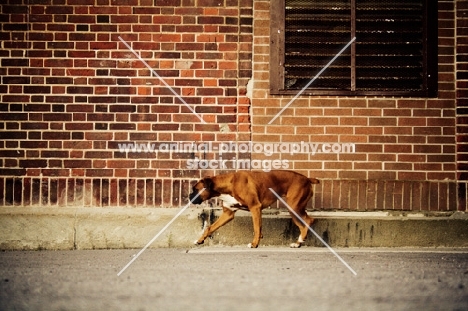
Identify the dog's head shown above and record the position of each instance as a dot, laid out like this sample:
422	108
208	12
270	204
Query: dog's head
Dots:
205	183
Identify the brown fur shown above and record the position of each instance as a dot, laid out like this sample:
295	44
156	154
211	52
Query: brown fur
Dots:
251	190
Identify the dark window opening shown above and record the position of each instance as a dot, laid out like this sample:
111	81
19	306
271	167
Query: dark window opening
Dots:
395	51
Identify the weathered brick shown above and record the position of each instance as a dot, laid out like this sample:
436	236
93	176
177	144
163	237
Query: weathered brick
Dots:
162	19
76	163
75	96
15	62
15	135
32	163
56	135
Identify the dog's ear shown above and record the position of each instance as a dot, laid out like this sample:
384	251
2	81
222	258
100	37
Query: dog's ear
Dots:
208	183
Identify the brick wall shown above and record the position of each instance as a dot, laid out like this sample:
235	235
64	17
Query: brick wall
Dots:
405	148
72	91
462	98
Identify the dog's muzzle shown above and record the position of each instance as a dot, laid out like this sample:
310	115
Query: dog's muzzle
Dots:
198	199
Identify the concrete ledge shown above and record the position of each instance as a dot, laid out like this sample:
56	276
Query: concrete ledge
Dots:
24	228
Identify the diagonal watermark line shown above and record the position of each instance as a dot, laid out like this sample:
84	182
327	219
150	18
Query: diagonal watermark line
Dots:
313	79
162	80
159	233
310	229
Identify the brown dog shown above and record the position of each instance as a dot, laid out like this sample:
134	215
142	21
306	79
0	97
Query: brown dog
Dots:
250	191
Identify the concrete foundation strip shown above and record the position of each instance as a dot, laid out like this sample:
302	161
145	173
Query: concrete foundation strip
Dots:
159	233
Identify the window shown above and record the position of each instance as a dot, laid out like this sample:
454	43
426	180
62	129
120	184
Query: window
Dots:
394	54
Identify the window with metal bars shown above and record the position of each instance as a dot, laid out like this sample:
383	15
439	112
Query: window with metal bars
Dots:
394	53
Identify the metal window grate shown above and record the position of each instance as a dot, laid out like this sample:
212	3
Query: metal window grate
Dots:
389	54
314	32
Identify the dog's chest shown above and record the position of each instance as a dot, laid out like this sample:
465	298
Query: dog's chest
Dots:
229	201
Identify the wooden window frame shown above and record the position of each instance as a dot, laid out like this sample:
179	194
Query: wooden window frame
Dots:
429	53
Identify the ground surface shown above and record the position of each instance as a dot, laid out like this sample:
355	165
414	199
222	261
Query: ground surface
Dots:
235	278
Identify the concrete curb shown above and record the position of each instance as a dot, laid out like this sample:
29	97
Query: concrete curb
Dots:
24	228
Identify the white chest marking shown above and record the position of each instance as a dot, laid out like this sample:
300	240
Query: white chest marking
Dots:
229	201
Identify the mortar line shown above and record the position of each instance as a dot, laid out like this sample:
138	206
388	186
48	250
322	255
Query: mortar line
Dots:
160	232
313	79
311	230
161	79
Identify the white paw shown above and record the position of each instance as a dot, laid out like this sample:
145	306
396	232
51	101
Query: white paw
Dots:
196	242
295	245
249	245
300	240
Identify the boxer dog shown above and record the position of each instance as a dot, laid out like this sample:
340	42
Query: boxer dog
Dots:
247	190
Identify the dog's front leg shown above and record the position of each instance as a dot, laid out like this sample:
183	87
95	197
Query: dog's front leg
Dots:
257	225
225	217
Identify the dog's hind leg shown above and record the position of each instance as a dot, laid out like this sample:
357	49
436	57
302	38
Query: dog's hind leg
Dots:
302	228
225	217
298	206
297	202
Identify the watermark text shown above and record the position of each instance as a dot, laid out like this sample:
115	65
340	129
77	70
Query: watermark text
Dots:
267	149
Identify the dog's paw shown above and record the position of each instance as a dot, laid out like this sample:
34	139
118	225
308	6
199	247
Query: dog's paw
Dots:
295	245
251	246
197	243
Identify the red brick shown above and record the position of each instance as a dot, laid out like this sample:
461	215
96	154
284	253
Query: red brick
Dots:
353	121
99	173
398	166
326	194
77	163
373	121
397	112
32	163
368	165
356	175
380	175
161	19
381	103
146	28
56	135
81	98
367	148
427	131
426	112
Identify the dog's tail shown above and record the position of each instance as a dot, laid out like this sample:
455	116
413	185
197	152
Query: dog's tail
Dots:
314	181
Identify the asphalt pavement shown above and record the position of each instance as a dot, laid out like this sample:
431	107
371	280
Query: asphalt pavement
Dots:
235	278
